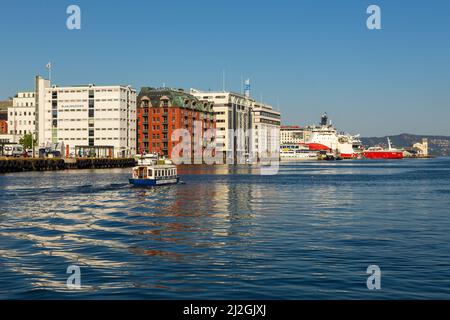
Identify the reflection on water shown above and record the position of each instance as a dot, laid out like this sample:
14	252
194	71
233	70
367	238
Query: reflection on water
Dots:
308	232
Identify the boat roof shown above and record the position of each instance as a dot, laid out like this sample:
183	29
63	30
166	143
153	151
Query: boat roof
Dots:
160	166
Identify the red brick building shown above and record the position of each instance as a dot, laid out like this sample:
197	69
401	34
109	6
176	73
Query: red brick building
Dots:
3	127
161	111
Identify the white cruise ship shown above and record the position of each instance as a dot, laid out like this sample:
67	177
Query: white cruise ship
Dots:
325	137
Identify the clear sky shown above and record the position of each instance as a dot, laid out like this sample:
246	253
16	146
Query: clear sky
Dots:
307	56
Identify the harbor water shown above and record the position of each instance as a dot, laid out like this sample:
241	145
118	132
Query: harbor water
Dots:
309	232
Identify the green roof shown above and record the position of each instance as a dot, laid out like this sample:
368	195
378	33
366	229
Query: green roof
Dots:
178	98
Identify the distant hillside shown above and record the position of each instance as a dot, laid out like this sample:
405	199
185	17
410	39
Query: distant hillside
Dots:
5	104
4	109
438	145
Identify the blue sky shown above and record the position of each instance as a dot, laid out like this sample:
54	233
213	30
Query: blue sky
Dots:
306	56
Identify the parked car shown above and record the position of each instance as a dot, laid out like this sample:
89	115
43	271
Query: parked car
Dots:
13	150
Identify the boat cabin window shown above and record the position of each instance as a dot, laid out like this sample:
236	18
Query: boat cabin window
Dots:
141	173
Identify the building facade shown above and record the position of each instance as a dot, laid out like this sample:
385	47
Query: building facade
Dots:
290	135
22	115
89	120
266	132
162	111
233	122
422	148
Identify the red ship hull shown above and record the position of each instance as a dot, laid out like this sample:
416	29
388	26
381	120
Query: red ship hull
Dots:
383	154
317	147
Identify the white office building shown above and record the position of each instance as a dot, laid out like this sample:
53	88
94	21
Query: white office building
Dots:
88	120
233	122
266	132
21	116
245	128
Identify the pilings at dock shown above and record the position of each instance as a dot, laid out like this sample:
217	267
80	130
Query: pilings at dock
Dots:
40	164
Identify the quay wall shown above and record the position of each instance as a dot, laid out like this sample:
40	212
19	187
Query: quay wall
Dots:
52	164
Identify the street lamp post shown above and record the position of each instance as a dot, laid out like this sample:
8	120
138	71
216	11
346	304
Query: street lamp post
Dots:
32	143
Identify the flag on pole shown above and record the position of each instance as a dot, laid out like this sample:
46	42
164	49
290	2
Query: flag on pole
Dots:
48	66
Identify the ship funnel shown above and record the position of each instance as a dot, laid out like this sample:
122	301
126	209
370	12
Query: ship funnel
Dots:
324	119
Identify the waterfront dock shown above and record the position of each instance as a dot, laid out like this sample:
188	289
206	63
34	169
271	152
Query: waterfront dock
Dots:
53	164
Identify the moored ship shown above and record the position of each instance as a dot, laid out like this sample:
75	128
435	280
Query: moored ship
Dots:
297	153
325	137
383	153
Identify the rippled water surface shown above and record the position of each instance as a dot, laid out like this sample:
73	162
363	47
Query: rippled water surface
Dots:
229	233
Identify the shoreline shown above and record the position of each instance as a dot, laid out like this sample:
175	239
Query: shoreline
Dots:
8	165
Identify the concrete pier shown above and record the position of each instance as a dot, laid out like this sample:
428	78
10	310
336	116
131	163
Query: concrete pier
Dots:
38	164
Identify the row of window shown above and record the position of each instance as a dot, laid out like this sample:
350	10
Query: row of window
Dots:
20	131
84	110
20	113
20	122
97	129
86	90
212	97
103	129
268	114
26	95
25	104
97	139
100	119
158	145
167	111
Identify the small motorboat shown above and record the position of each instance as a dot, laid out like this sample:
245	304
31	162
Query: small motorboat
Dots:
154	172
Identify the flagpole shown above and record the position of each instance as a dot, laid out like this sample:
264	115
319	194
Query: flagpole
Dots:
48	66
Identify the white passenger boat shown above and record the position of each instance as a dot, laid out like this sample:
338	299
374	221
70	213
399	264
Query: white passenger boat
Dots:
297	153
152	172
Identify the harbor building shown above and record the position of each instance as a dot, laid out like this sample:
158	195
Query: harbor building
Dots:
422	148
89	120
266	132
22	115
293	135
161	111
233	122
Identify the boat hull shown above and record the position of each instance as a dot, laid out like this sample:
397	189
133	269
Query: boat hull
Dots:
317	147
383	155
153	183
